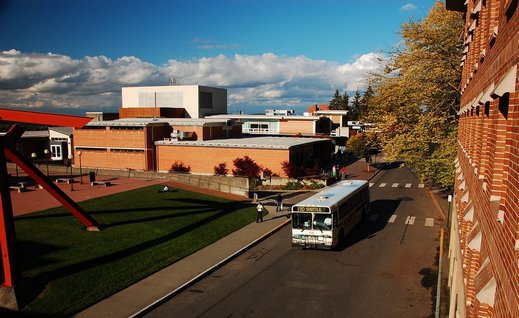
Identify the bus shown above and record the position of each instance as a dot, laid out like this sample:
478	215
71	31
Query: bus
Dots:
323	220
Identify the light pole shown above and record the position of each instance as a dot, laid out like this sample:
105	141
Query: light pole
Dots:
71	180
46	152
80	168
33	156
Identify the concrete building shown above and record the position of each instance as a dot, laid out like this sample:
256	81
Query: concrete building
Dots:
182	101
484	237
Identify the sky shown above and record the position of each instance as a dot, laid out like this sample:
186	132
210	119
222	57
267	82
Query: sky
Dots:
73	56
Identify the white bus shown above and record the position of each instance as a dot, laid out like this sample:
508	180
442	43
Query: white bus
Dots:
323	219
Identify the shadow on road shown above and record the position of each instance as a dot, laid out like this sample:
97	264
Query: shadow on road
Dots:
381	211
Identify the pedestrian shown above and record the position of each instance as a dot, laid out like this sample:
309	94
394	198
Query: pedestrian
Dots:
279	202
259	217
343	173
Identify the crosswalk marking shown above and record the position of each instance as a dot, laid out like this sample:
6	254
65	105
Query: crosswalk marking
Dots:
408	185
395	185
371	184
421	185
382	185
410	220
429	222
392	218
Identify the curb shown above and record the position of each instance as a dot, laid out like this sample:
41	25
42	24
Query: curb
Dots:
205	273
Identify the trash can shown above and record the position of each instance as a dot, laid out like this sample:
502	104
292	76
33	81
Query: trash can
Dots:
92	176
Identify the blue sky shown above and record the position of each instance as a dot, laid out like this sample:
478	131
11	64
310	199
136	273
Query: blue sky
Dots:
74	55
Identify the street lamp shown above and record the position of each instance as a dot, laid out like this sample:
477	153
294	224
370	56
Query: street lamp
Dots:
80	168
46	152
33	156
70	165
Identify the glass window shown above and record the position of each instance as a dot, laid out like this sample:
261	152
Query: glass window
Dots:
322	221
302	221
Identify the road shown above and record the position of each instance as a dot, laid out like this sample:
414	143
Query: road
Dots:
386	268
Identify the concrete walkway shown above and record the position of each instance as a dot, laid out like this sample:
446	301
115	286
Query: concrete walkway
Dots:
164	284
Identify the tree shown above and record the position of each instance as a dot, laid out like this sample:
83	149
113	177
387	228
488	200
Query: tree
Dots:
416	95
246	167
365	103
339	102
355	106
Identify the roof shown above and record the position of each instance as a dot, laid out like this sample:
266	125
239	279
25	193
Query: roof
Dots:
264	117
252	142
62	130
332	112
333	194
36	134
142	122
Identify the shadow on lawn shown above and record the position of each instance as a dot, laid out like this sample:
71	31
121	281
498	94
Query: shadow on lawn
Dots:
220	209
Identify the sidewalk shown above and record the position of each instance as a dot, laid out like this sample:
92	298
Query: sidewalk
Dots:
162	285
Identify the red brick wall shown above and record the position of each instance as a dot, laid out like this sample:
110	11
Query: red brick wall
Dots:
204	159
488	155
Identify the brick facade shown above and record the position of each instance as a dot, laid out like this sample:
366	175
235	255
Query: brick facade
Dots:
484	248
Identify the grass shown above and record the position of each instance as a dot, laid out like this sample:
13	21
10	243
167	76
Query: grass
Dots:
146	231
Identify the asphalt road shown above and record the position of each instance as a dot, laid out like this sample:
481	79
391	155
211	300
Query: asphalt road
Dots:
386	268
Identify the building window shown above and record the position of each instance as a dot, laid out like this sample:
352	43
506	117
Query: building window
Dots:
55	152
487	109
504	102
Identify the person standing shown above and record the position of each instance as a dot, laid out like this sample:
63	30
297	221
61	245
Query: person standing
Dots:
279	202
259	217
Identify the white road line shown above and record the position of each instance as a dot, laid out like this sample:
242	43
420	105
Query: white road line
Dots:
382	185
392	219
371	184
429	222
410	220
421	185
395	185
408	185
373	218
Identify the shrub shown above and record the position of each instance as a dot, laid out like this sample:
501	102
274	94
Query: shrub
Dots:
246	167
179	167
291	170
221	169
293	185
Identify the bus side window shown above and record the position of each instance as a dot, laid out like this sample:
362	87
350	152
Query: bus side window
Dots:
335	219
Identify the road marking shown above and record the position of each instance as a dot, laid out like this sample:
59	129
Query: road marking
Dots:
408	185
373	218
382	185
429	222
410	220
392	218
395	185
371	184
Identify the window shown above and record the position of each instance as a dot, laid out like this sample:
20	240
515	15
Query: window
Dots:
504	102
56	153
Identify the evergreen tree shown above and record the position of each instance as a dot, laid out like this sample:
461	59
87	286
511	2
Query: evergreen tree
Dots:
355	106
335	103
345	101
365	103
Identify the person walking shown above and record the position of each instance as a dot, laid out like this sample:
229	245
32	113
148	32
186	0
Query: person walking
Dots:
259	217
279	202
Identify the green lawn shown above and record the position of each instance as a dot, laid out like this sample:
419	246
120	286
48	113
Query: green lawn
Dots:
146	231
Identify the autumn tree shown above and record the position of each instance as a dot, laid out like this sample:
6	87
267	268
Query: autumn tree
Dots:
416	95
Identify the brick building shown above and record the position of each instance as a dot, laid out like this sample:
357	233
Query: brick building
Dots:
484	240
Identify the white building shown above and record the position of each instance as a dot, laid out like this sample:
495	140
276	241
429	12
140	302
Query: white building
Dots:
194	101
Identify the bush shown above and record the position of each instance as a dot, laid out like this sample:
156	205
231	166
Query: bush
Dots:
179	167
246	167
293	185
221	169
291	170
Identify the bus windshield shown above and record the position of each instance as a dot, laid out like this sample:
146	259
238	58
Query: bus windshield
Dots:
323	221
304	221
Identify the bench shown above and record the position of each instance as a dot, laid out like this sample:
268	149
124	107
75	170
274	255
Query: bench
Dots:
105	183
20	188
67	180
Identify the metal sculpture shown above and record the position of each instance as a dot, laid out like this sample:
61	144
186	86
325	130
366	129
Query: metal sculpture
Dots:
11	271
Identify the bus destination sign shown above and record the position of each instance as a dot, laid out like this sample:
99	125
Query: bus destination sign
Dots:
311	209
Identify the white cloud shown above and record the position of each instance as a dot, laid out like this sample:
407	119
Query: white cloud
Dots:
408	7
254	82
